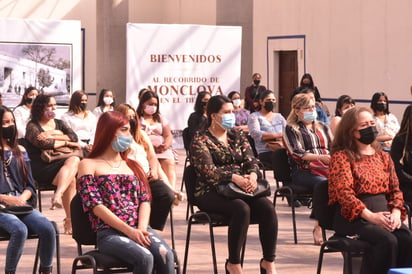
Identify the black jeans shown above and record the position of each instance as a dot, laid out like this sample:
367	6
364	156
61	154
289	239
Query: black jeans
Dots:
241	213
162	199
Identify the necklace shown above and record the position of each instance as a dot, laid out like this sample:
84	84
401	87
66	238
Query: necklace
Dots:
112	166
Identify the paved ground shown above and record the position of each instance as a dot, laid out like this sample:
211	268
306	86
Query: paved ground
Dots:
300	258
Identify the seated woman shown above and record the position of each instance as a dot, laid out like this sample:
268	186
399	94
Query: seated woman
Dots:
221	154
80	120
141	150
198	119
401	153
364	186
22	112
17	188
241	114
307	142
266	128
116	195
386	123
45	132
160	134
343	103
105	102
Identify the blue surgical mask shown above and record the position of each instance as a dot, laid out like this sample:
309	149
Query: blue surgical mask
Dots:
228	120
122	143
310	116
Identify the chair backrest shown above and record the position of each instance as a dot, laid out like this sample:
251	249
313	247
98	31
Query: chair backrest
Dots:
186	139
189	175
83	232
281	166
321	209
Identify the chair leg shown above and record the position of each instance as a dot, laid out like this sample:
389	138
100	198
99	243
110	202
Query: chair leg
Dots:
189	228
172	230
295	236
39	197
320	260
36	258
212	244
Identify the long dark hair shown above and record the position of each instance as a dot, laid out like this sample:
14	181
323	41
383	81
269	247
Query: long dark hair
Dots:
198	103
24	97
214	105
106	128
375	99
37	110
14	147
344	99
75	101
146	97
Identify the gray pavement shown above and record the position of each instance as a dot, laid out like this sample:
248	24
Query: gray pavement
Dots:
290	258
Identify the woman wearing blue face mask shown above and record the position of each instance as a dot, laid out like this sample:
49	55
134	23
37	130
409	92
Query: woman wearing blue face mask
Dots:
116	194
307	142
223	154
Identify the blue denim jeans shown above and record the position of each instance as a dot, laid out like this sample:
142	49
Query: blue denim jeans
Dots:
17	227
158	255
306	178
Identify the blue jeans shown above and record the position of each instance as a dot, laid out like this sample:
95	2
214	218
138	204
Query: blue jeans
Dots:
159	255
17	227
306	178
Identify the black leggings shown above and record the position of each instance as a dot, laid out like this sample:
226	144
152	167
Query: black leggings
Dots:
241	213
162	199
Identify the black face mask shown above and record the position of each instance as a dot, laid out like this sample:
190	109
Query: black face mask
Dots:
306	85
29	101
269	105
83	106
380	106
9	132
256	82
203	104
368	135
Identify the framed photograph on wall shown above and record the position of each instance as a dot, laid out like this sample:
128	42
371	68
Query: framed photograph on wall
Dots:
45	54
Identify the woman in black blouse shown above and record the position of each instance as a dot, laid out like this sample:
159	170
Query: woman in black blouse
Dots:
198	120
45	132
222	154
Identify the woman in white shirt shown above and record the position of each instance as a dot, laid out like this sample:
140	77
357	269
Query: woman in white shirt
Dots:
105	103
80	120
22	111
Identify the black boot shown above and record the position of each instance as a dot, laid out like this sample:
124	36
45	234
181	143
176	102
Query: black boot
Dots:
45	270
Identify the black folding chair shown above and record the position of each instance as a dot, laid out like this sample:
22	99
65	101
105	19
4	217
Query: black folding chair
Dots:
350	248
292	192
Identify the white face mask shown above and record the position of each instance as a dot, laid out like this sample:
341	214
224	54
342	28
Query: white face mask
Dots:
108	100
149	109
236	102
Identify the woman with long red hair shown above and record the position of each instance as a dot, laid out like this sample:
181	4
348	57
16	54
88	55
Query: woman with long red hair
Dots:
115	193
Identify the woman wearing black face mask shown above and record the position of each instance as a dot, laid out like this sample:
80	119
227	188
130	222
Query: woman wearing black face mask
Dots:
252	93
364	186
17	188
266	128
198	119
81	121
22	112
386	123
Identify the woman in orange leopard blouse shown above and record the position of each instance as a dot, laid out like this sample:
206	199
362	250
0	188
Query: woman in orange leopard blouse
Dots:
364	186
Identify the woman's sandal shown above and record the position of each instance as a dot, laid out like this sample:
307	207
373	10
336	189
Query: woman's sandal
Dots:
56	202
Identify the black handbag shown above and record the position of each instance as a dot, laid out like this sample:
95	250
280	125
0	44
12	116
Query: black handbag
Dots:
232	191
16	210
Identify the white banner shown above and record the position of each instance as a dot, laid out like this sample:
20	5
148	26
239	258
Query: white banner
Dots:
178	61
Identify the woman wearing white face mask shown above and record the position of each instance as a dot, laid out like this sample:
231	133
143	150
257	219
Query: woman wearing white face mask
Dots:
159	133
105	103
222	154
241	114
307	142
22	112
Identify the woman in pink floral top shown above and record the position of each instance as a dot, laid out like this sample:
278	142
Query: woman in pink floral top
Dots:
116	195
